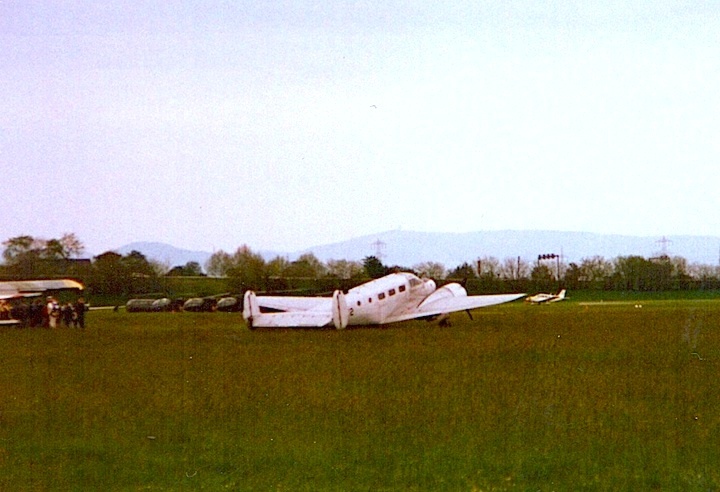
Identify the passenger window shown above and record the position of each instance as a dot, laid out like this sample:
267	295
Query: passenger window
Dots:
359	303
391	292
381	296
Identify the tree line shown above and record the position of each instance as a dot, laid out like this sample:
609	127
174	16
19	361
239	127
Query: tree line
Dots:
111	273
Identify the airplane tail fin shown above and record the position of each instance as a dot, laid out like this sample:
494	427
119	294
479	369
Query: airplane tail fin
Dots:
251	309
341	312
560	296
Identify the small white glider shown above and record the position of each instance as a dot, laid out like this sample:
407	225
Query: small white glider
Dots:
543	298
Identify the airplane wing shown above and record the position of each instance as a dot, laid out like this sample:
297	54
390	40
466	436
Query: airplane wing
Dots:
453	304
294	311
17	295
287	303
29	288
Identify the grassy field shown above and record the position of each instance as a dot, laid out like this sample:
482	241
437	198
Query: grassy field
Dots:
561	397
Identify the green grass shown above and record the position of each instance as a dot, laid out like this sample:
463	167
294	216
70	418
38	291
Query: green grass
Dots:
561	397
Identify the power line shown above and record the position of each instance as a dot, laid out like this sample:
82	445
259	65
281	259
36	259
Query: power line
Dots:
379	247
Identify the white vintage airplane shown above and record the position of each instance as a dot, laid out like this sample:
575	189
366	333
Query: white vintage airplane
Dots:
19	289
543	298
15	289
395	297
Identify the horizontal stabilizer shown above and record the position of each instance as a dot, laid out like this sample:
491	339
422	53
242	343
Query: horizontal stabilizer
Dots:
294	319
287	303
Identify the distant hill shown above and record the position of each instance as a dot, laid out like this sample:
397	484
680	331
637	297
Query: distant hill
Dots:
173	256
165	253
408	248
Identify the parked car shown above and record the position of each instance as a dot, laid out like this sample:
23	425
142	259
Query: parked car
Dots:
200	304
139	305
229	304
166	304
163	304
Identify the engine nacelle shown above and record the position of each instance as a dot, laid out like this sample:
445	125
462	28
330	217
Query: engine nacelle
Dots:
428	287
448	290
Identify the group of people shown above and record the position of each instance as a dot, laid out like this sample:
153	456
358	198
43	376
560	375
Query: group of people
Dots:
48	314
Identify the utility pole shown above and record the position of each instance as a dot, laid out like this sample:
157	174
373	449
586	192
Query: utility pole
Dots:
664	250
552	256
379	246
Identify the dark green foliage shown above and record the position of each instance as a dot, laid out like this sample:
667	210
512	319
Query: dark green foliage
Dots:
542	277
114	274
190	269
247	270
27	256
374	267
306	266
464	271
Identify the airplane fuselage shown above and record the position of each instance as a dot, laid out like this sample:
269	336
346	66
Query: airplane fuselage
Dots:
375	301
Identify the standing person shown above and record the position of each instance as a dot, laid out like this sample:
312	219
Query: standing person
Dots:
36	313
21	312
80	309
45	313
53	310
68	314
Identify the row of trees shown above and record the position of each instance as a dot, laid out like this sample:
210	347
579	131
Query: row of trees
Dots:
488	274
133	273
30	256
109	273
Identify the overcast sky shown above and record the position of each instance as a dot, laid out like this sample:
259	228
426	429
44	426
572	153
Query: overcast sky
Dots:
287	124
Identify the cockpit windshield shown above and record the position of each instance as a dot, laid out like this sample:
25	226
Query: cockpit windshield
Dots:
414	282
